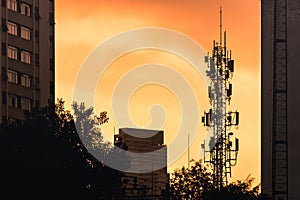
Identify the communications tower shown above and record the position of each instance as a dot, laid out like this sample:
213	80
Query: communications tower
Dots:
222	152
279	120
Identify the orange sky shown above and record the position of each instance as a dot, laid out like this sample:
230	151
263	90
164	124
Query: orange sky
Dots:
82	25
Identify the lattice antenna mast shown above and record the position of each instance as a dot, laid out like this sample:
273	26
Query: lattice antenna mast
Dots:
222	155
280	99
221	31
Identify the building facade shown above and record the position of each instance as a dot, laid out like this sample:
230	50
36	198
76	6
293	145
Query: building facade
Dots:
280	97
144	185
27	61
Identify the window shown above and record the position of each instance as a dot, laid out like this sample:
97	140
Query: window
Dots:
37	59
25	57
37	36
51	87
51	64
12	28
12	101
37	14
4	100
12	5
12	76
4	25
25	104
25	9
12	52
11	120
25	33
51	40
25	80
51	18
37	83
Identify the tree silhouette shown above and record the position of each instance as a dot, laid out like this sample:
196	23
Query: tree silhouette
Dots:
44	158
196	182
190	183
88	127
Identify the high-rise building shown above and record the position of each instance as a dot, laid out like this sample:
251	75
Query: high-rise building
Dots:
147	185
280	93
27	61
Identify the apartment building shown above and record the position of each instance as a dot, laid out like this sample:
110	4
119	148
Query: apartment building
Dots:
144	185
28	55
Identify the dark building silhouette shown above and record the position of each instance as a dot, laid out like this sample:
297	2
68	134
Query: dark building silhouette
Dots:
280	158
144	185
27	61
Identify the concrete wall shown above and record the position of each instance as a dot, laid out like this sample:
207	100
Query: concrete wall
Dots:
266	97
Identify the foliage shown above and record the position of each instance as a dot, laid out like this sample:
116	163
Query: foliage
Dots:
196	183
88	127
44	157
190	183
